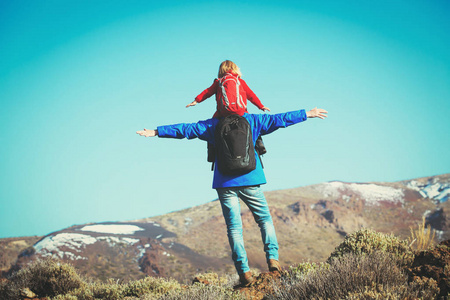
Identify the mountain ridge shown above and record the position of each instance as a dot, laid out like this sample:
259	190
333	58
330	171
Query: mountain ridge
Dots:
310	221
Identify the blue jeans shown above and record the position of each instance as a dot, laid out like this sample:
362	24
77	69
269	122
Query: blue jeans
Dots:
254	198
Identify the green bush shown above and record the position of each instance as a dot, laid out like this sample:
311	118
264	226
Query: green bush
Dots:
85	292
6	291
368	241
303	269
65	297
147	288
45	278
93	291
215	279
107	291
150	285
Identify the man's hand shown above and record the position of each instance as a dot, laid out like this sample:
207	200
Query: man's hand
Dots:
192	103
317	113
265	109
147	132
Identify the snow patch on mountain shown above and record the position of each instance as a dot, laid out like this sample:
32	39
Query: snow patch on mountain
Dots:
74	241
112	240
432	189
113	228
66	245
371	193
143	249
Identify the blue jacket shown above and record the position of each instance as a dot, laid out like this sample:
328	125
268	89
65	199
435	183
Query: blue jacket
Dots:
261	124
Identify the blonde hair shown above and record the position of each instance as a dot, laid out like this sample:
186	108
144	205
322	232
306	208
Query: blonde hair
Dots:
227	66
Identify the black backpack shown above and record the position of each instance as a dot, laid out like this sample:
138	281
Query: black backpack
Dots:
234	146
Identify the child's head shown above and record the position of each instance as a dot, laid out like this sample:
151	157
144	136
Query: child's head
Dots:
227	66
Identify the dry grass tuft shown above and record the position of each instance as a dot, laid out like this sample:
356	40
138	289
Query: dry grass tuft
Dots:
422	238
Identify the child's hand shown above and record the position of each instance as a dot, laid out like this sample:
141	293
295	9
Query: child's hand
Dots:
191	104
147	132
265	109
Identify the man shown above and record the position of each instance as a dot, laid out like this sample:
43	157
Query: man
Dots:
247	186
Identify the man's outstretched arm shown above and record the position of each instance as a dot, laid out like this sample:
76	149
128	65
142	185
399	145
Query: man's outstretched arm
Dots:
148	132
317	113
266	124
201	129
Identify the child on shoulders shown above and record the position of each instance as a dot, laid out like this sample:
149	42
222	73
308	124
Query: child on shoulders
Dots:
232	93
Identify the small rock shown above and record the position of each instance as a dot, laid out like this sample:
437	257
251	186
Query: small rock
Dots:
27	293
200	280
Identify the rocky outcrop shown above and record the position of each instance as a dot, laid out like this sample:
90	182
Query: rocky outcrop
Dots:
437	219
262	286
433	264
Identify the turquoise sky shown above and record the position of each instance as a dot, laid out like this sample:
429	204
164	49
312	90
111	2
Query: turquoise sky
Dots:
78	78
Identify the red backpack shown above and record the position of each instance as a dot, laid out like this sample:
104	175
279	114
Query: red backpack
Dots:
230	98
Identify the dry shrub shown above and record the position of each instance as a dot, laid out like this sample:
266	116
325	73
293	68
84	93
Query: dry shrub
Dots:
150	285
147	288
45	278
412	292
65	297
303	269
5	290
368	241
423	237
200	291
209	286
350	275
60	281
108	291
211	278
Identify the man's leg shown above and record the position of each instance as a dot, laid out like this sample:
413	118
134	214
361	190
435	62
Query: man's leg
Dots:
256	202
232	213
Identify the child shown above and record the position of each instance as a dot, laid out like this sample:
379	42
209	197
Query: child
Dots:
229	86
231	93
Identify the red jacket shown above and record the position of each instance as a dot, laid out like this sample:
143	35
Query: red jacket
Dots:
245	92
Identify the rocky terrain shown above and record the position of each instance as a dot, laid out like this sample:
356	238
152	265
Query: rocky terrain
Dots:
310	222
10	248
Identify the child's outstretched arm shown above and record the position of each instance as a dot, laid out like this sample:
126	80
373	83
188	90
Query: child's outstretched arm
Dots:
205	94
252	97
192	103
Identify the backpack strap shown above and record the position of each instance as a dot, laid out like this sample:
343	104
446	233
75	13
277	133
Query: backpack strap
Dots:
224	93
260	160
238	97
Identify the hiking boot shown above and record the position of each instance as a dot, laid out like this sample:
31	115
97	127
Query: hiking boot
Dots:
246	278
274	265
